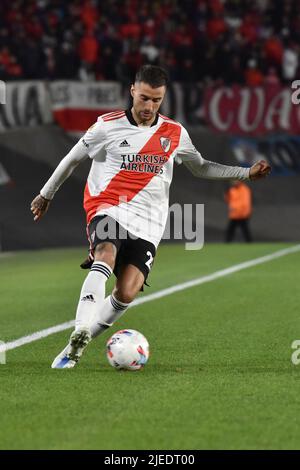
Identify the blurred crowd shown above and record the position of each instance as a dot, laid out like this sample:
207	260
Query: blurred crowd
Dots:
211	41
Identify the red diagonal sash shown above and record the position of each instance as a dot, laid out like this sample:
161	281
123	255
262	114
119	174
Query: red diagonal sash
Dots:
127	183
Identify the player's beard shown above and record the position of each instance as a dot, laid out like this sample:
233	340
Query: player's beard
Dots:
146	116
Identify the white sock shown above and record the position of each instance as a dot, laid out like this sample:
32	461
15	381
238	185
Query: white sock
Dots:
111	310
92	294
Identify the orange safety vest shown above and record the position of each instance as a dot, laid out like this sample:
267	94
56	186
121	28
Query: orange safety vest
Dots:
239	201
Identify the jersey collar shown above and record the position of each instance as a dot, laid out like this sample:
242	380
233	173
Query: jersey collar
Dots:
134	123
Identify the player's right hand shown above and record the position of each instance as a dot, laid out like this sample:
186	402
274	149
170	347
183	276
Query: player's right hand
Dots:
39	207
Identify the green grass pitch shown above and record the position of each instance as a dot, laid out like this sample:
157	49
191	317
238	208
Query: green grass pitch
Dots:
220	374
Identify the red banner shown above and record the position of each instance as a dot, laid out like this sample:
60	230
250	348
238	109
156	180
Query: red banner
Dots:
252	111
76	105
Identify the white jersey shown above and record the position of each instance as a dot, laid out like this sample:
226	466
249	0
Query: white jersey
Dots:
132	170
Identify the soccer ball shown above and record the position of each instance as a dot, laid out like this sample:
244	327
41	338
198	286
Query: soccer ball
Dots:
127	349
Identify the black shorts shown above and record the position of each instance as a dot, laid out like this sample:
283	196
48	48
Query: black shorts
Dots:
130	249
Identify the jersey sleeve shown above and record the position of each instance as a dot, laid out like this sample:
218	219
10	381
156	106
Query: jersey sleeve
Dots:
198	166
94	139
65	168
187	152
90	145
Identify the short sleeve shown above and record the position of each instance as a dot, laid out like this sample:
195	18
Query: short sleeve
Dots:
94	138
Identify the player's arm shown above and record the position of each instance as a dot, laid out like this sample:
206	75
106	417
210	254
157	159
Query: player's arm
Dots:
212	170
40	203
89	145
198	166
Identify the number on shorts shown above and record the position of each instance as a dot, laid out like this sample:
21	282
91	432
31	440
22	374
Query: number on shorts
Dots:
150	260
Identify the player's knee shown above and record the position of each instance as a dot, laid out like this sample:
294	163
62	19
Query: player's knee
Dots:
106	252
124	294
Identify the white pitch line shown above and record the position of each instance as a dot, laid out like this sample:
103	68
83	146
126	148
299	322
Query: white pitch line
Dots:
216	275
157	295
35	336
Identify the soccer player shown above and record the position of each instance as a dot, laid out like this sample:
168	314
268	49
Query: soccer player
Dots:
126	200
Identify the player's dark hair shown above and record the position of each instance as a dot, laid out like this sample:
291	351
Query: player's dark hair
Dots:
153	75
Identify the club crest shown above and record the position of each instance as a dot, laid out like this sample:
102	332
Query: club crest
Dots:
165	143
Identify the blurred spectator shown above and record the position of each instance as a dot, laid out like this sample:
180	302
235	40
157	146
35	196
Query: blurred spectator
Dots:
5	57
89	48
14	70
216	26
86	72
253	76
149	28
9	67
49	71
149	51
89	15
67	62
131	29
93	39
249	28
234	72
133	59
168	58
32	59
289	63
273	50
239	200
272	77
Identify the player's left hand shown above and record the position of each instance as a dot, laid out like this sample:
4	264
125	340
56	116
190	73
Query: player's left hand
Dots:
259	170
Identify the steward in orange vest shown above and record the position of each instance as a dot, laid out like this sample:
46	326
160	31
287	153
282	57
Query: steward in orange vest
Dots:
239	200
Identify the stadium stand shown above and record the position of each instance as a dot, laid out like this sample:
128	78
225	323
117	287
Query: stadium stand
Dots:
229	41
